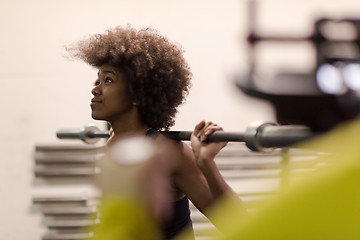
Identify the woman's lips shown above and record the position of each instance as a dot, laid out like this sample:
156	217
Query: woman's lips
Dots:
95	102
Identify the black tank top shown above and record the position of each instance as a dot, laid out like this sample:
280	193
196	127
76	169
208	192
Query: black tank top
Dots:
180	219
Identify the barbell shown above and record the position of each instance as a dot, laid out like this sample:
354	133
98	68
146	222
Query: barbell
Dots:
258	136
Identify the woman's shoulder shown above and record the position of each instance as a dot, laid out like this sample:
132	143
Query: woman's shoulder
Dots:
179	145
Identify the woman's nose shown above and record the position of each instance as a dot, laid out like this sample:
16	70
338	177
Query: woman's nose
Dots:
96	90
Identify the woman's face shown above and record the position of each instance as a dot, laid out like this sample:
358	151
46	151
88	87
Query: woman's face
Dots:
110	101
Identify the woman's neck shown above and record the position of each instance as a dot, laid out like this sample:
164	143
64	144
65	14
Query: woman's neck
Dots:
128	122
121	127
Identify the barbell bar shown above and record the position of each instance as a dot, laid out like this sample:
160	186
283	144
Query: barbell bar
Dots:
258	136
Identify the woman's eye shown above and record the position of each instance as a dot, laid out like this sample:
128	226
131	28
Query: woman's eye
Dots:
108	80
96	83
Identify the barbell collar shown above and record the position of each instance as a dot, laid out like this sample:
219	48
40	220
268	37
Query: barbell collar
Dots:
89	134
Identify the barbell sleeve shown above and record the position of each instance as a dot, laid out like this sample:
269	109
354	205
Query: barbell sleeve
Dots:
259	136
262	137
89	134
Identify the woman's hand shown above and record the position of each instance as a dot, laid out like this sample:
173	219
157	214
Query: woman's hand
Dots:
205	151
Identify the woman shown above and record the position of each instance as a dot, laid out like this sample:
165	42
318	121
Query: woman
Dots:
142	79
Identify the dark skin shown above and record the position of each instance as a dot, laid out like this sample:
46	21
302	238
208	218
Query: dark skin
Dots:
190	172
111	103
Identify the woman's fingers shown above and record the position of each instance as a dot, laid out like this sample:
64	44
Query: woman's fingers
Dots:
203	129
213	128
198	128
208	129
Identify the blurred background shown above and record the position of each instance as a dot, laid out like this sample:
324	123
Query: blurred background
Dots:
44	91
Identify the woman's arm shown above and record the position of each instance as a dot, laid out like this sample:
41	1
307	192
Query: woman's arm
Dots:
189	179
196	173
226	205
205	153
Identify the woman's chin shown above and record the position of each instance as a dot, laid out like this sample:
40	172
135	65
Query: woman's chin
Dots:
96	116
